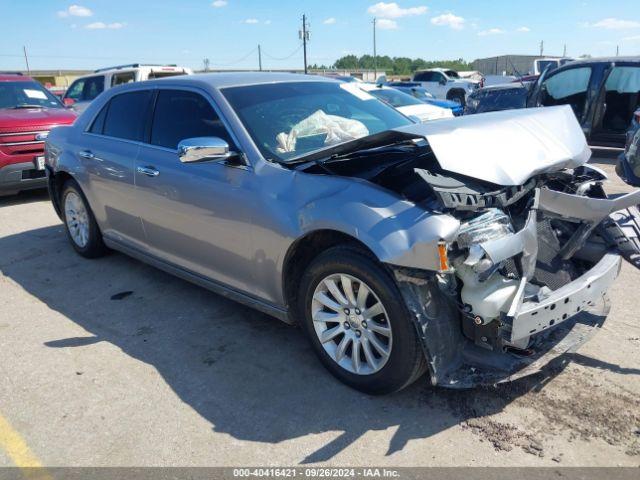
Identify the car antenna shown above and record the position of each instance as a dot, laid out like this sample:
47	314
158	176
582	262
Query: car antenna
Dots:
517	72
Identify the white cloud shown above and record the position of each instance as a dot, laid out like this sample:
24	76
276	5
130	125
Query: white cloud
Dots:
330	21
491	31
449	20
75	11
386	24
393	10
251	21
219	3
103	26
614	24
634	38
523	29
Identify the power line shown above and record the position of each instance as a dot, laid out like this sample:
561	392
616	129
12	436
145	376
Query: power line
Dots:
282	58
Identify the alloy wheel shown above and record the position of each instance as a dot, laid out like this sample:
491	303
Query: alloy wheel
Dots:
351	324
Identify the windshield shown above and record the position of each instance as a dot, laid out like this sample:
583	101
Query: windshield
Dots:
26	94
286	120
395	98
544	64
421	93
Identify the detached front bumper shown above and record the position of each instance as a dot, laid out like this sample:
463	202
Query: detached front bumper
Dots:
581	294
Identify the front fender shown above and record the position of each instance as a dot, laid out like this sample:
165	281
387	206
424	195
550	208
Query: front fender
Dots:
397	231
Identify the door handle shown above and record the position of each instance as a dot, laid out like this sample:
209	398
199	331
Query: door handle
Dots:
87	154
148	171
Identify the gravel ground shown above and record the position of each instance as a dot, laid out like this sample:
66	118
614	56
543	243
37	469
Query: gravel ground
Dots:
113	363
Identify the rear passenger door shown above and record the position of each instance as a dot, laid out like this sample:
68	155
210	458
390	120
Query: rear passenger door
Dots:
195	215
108	152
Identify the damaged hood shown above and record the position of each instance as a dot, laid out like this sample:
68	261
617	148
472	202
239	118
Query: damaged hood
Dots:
509	147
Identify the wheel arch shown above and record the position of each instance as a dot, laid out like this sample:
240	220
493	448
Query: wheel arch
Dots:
303	251
55	182
455	91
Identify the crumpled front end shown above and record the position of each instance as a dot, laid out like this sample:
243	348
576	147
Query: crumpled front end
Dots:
527	275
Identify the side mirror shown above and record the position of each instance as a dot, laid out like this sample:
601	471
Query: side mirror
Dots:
68	102
204	149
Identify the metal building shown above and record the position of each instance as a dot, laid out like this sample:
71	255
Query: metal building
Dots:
507	64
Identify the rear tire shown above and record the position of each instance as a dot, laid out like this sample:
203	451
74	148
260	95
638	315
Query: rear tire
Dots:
355	354
80	224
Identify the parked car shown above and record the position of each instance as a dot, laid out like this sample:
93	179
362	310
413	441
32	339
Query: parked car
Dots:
85	89
446	84
414	89
542	64
603	93
406	104
400	248
27	113
628	166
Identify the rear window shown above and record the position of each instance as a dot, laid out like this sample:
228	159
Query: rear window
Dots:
126	115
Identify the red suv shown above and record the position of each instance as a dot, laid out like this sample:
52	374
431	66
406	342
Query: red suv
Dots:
27	112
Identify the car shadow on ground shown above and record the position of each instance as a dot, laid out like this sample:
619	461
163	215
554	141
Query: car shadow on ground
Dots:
27	196
250	376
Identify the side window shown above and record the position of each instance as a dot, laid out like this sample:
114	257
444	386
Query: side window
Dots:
98	122
424	77
622	97
439	77
568	87
93	87
121	78
75	90
127	114
181	114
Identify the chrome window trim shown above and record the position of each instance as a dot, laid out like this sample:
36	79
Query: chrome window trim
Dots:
246	165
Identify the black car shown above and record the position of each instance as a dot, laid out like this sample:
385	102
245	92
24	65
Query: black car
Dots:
603	93
628	167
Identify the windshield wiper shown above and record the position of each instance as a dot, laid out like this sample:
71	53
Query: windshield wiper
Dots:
17	107
369	150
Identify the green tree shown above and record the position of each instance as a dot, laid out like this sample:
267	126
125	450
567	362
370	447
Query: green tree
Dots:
397	65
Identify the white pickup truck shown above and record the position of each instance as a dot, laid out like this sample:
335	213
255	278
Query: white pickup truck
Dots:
446	84
84	89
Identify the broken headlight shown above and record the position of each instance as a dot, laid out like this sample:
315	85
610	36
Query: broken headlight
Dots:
493	223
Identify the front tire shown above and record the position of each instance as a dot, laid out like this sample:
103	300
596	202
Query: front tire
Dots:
358	323
80	224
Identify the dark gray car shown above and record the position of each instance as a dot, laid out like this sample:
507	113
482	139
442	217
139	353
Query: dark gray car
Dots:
476	249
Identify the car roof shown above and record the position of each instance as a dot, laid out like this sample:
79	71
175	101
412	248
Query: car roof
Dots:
235	79
587	61
14	77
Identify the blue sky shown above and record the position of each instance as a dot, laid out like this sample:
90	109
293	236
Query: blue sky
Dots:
94	33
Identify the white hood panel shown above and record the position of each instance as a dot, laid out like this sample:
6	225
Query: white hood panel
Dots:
508	147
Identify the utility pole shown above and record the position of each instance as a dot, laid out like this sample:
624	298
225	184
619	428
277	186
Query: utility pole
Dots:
375	56
541	47
617	50
304	35
205	64
26	59
259	58
564	50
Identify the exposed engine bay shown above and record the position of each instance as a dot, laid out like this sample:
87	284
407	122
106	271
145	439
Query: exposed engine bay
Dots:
526	257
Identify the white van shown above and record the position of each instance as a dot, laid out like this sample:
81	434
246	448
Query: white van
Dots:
83	90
